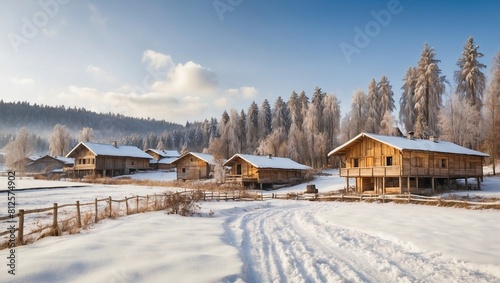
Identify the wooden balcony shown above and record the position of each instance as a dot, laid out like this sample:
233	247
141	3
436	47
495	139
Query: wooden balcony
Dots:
379	171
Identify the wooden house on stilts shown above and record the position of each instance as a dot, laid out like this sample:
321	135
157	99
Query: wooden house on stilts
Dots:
387	164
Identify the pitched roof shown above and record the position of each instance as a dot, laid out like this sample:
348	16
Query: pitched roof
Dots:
203	156
165	153
265	162
110	150
403	143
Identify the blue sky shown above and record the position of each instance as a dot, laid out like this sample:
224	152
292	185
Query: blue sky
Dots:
189	60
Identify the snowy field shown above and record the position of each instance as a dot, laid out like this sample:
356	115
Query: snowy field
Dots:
271	241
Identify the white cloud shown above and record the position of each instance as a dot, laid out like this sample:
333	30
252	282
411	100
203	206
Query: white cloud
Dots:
22	81
183	92
98	73
96	18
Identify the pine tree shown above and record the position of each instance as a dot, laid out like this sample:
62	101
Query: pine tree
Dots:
252	127
331	120
265	118
385	96
373	117
429	88
359	112
407	105
280	116
471	82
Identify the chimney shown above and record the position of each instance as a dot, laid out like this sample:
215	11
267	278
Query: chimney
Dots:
409	135
270	156
433	138
115	144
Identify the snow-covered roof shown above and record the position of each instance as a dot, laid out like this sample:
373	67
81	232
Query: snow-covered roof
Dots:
65	160
266	162
111	150
203	156
165	153
403	143
165	160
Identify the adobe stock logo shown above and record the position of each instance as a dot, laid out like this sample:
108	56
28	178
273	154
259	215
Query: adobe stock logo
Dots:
31	27
363	37
223	6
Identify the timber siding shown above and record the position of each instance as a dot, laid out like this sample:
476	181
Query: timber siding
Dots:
194	166
107	160
264	170
406	165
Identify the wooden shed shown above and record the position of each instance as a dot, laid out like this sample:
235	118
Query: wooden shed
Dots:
387	164
194	166
162	159
264	171
107	159
50	164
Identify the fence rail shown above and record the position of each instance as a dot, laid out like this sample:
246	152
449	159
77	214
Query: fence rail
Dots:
99	209
109	208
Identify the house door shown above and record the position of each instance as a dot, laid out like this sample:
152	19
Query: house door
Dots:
238	169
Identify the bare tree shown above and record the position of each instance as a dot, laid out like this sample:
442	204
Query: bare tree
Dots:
60	140
18	149
86	134
492	113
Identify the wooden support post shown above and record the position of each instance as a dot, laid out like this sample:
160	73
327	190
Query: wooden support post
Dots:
408	183
466	184
126	205
54	221
96	212
383	189
478	183
433	183
20	231
147	202
110	206
137	203
347	185
78	215
416	183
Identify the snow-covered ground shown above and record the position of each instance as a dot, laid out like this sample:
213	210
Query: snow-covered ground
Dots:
271	241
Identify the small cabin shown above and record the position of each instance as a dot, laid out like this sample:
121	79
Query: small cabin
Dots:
264	171
388	164
107	159
50	164
162	159
194	166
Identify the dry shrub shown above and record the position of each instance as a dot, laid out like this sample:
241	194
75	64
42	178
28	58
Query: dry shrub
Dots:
183	204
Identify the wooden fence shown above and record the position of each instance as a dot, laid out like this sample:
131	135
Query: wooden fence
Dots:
109	208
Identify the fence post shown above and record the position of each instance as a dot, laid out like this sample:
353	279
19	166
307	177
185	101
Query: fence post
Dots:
96	215
110	207
156	205
147	202
126	204
54	221
137	203
78	216
20	231
204	196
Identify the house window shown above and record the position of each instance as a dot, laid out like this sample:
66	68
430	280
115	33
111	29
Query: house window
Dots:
191	159
238	169
388	161
183	170
419	161
444	163
355	162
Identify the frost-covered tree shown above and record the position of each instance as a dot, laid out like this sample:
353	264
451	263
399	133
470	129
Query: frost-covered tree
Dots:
273	144
18	149
331	119
265	118
387	125
406	103
318	105
160	145
346	127
385	96
242	132
429	88
492	113
460	122
470	80
86	134
60	140
280	116
359	113
304	105
252	127
234	136
373	116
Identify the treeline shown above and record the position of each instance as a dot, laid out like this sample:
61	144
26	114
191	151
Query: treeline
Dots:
42	118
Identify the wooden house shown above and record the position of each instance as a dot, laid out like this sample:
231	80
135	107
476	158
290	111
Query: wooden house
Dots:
107	159
50	164
162	159
22	164
387	164
194	166
264	171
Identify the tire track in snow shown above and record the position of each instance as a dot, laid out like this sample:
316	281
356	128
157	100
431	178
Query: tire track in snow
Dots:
293	244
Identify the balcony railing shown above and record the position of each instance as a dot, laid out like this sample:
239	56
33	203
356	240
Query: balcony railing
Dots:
378	171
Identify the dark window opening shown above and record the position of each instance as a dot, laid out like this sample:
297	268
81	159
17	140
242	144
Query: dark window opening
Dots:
238	169
355	162
388	161
183	170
